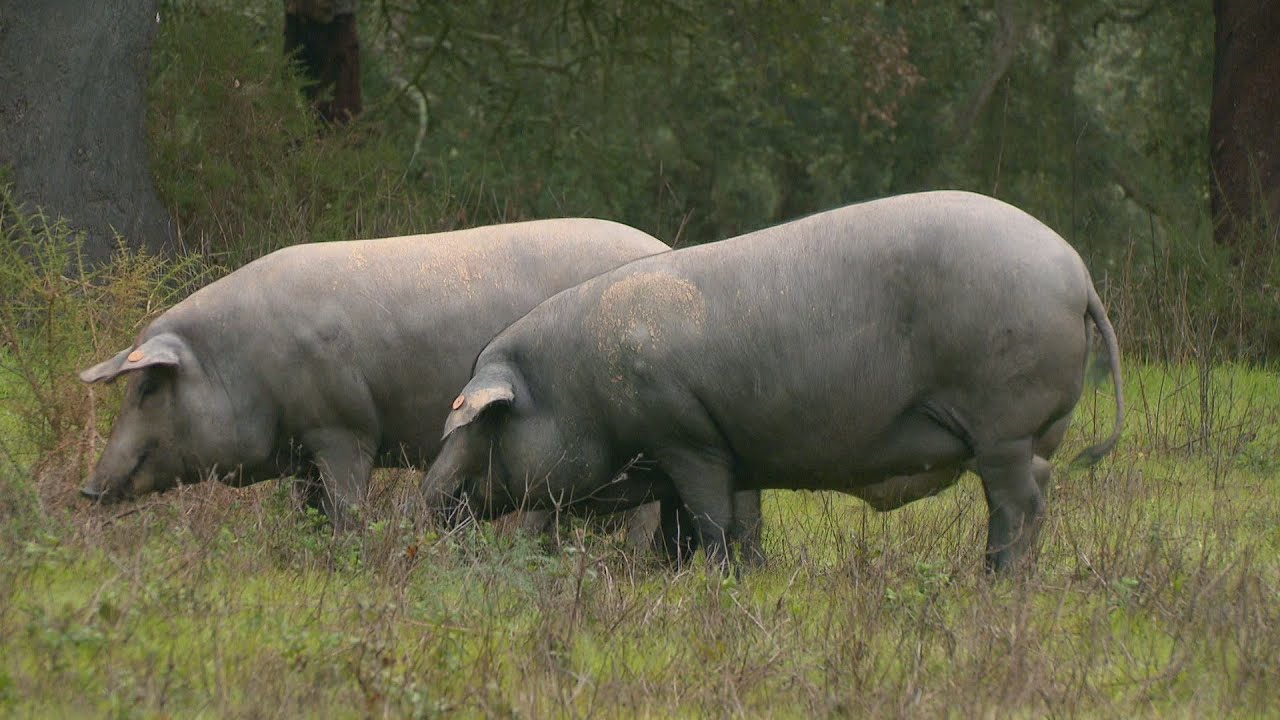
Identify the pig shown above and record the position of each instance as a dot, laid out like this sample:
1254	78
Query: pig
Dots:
879	349
320	360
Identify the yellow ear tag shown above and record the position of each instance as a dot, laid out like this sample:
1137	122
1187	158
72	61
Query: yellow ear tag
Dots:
135	356
458	401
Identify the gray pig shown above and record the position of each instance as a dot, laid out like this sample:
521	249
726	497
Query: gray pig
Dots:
320	360
879	349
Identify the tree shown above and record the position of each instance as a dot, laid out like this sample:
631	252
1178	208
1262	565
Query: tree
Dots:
72	122
1244	122
690	119
322	33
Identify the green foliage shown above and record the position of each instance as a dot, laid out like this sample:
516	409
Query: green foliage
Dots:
675	117
721	118
696	122
1177	297
242	162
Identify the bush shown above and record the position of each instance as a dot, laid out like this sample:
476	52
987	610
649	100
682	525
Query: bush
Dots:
1181	298
242	162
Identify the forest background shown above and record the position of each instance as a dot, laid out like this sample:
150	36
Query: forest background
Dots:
698	121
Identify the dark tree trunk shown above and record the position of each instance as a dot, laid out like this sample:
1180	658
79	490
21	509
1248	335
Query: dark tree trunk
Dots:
73	76
322	34
1244	125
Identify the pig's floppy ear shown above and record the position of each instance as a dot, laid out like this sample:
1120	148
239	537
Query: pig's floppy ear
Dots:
159	350
488	387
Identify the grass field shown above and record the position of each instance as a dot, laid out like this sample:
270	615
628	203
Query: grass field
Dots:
1156	593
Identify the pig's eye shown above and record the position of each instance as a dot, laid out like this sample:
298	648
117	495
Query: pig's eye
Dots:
148	387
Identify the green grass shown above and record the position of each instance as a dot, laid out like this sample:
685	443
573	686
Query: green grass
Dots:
1153	595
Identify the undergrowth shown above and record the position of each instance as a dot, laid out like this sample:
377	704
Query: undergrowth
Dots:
1181	298
244	165
58	316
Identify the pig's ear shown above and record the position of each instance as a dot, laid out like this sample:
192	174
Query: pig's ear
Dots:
492	385
159	350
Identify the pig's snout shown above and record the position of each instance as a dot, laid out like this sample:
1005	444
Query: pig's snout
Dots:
103	491
444	502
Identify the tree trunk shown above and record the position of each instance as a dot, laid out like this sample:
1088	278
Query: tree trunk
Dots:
73	117
1009	37
1244	126
322	33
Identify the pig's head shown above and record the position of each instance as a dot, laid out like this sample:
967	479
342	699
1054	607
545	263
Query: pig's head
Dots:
169	405
503	450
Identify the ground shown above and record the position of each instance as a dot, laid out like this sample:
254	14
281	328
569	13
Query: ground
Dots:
1153	594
